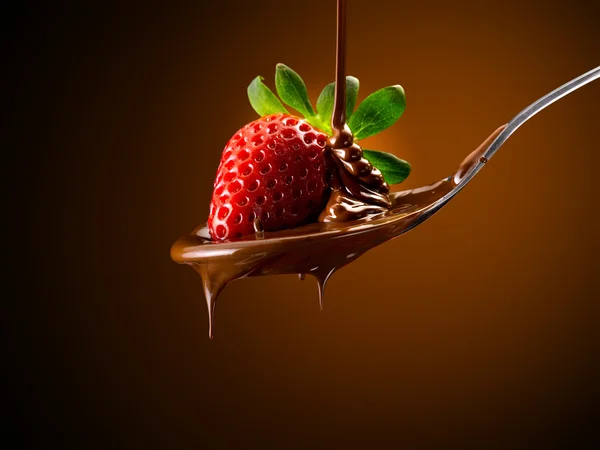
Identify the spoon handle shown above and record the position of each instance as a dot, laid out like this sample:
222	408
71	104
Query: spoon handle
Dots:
508	130
537	106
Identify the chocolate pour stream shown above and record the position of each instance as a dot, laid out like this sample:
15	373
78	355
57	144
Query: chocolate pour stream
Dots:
357	188
360	214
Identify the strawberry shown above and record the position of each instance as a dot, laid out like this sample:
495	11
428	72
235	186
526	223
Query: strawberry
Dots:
273	173
272	170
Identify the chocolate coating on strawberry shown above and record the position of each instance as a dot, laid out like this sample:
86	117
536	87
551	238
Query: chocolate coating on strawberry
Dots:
358	188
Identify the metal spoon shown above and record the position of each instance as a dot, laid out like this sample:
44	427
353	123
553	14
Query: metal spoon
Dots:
319	249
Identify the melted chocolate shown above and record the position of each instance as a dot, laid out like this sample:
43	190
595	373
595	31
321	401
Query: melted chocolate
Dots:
317	249
357	188
360	214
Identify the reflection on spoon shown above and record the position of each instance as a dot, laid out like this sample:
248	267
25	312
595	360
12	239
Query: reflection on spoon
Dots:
319	249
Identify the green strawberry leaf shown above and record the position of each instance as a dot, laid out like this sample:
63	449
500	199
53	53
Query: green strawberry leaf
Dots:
393	169
292	90
262	98
377	112
326	100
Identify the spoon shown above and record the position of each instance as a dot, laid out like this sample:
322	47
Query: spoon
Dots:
320	249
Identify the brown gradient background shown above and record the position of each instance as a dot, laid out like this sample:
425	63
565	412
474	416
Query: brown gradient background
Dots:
478	329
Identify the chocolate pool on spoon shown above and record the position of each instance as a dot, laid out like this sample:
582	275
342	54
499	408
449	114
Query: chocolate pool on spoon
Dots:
359	214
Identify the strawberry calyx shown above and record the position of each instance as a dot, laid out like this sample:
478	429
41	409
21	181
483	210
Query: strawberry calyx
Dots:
377	112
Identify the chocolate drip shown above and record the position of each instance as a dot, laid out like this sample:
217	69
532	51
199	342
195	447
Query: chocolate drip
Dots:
357	188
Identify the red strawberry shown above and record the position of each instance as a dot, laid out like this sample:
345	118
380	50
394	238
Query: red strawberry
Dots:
272	170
